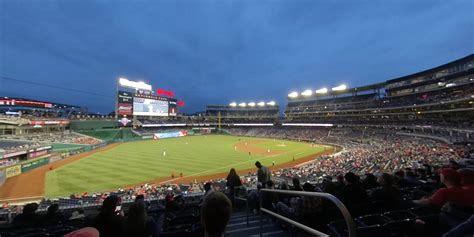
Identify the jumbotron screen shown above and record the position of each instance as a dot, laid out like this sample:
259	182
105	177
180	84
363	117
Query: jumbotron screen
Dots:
150	107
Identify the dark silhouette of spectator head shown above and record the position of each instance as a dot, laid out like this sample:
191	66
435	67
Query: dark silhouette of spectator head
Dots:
351	178
258	165
450	177
308	187
232	172
340	179
53	209
270	184
386	179
109	205
297	184
400	174
215	213
283	186
136	221
140	198
207	187
30	208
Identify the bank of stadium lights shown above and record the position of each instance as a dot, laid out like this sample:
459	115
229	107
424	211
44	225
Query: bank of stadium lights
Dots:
322	91
339	88
253	104
134	84
293	94
307	93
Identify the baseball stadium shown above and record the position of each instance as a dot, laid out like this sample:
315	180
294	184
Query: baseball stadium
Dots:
60	153
236	118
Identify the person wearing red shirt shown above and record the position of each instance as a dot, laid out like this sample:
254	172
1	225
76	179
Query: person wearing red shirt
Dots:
453	193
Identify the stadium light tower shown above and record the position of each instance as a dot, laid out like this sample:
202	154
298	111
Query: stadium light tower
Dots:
243	104
322	91
251	104
307	93
261	103
293	94
271	103
339	88
233	104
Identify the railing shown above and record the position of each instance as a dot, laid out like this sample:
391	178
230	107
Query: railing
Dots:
347	216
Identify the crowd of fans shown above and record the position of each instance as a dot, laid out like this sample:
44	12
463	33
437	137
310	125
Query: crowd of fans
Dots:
54	137
370	101
376	172
10	146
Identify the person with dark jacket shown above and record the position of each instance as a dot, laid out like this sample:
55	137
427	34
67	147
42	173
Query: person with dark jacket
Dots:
263	174
109	221
296	185
353	195
233	180
53	215
370	182
138	224
28	217
387	196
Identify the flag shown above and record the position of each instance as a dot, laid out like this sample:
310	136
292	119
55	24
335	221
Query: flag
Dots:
164	92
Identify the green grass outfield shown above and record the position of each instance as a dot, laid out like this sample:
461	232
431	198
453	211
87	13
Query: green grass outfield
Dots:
135	162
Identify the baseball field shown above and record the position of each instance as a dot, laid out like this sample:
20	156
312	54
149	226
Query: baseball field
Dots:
171	160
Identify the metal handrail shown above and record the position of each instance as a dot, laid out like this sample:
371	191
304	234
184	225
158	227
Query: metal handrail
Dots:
347	216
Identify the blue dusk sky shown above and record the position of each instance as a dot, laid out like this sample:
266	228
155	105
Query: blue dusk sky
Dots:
219	51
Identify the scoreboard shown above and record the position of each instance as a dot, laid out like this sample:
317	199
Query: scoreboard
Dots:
145	104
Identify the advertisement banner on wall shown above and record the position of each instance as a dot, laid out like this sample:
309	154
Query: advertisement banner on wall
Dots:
34	164
125	109
14	154
37	154
125	97
164	135
13	171
55	158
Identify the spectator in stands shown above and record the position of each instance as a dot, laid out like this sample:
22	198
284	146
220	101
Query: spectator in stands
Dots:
233	180
411	179
296	185
453	192
138	224
370	182
110	218
353	195
328	186
29	216
263	174
268	198
215	213
254	198
387	196
53	214
340	184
